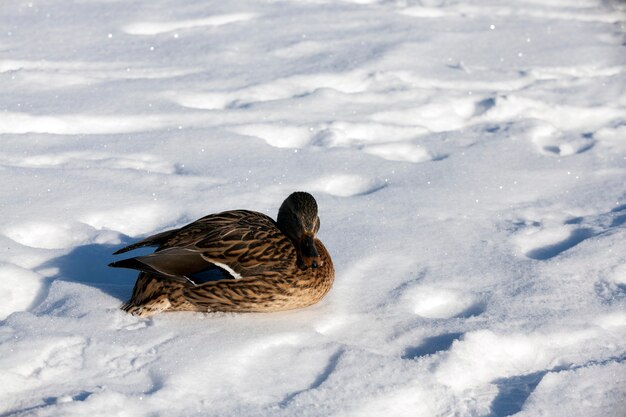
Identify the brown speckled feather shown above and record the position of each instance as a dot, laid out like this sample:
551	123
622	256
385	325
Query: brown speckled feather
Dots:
271	276
246	241
271	290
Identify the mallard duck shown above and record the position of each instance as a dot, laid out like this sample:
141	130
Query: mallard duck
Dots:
234	261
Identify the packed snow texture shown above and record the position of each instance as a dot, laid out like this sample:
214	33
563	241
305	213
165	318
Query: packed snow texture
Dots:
468	158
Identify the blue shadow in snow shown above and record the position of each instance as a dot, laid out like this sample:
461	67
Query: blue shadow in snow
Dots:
431	345
513	393
333	360
88	265
550	251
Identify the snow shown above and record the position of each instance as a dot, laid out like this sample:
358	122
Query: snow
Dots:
468	159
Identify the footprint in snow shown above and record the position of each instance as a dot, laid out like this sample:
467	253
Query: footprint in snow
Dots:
551	141
552	242
431	345
543	242
611	290
612	287
385	141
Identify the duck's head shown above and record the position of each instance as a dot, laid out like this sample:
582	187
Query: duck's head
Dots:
298	220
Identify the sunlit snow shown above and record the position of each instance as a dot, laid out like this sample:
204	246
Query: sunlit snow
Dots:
468	158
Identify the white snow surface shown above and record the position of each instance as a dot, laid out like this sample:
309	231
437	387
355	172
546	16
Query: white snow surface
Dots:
468	158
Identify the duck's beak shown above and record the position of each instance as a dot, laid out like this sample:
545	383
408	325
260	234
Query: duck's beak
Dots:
308	251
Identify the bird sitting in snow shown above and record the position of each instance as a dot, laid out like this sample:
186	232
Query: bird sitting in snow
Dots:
234	261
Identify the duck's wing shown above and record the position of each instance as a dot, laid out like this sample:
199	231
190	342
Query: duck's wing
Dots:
194	231
154	240
174	262
242	242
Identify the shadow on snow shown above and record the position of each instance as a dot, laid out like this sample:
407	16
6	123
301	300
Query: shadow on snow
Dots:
88	265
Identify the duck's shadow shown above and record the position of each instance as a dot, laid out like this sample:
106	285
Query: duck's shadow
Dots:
88	265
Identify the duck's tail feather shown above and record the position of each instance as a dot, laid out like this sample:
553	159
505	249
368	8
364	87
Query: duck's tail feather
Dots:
154	240
174	263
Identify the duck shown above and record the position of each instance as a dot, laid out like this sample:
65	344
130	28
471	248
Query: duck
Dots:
237	261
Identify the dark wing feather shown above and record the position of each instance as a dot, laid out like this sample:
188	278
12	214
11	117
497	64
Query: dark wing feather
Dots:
170	262
248	242
154	240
